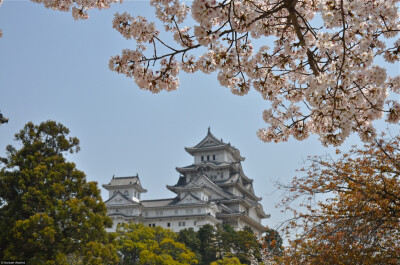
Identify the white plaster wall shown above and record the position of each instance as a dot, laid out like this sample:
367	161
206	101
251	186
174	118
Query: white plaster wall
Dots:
219	157
253	214
172	212
131	193
195	222
229	157
202	195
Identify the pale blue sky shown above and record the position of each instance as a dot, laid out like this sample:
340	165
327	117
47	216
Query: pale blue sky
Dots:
52	67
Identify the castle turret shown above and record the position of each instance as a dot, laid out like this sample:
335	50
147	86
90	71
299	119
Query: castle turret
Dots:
130	187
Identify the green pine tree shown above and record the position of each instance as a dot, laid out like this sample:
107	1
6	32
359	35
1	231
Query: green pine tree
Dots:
49	213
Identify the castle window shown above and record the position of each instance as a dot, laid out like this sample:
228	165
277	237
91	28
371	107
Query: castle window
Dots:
213	157
135	193
169	224
183	224
176	211
194	222
202	158
154	225
208	158
149	225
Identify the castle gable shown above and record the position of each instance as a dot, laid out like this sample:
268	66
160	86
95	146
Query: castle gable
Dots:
119	199
209	140
217	192
189	198
192	185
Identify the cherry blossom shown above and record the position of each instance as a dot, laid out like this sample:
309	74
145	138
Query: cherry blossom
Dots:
78	7
314	62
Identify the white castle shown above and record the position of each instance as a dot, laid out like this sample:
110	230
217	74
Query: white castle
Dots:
213	190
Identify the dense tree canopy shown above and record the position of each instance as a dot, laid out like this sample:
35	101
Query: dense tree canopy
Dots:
314	61
359	222
49	213
139	244
218	244
190	238
271	246
227	261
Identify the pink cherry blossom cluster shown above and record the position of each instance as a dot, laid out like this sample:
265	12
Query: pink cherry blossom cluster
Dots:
315	61
134	65
138	28
169	11
318	79
78	7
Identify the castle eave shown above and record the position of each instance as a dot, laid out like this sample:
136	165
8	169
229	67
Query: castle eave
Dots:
246	219
108	187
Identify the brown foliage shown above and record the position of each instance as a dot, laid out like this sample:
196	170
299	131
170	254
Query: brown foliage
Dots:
358	219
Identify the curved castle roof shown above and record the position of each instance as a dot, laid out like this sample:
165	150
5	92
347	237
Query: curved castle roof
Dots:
212	143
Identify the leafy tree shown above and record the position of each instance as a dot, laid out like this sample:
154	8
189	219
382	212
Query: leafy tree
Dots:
246	246
271	247
191	240
314	61
220	241
208	251
272	243
359	222
225	237
49	213
243	244
227	261
139	244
